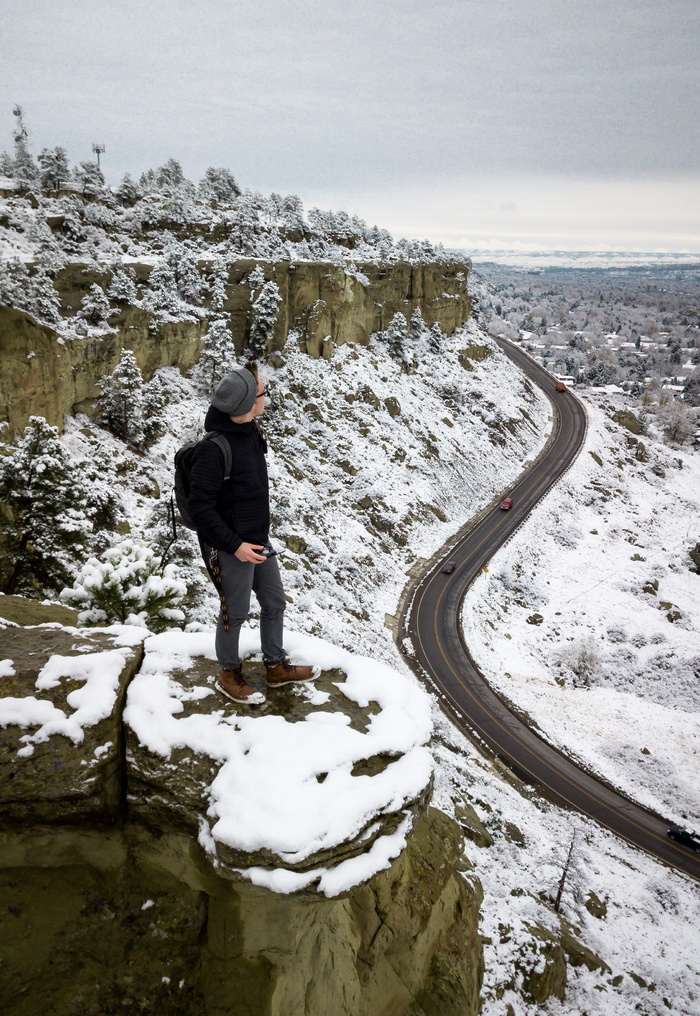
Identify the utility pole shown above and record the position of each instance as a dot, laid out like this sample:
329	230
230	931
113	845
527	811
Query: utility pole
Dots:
98	150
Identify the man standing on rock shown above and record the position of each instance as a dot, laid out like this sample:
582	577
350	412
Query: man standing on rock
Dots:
232	517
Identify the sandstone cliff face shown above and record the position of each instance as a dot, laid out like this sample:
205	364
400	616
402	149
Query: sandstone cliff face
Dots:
43	374
122	893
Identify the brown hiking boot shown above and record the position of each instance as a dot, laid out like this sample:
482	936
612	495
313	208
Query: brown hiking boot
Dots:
233	685
285	672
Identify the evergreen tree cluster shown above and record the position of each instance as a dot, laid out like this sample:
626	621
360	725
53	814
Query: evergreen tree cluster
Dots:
32	292
54	512
132	409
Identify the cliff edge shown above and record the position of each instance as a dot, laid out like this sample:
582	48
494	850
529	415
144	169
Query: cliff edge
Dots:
165	848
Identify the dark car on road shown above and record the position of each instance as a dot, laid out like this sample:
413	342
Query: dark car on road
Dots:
686	837
508	503
449	567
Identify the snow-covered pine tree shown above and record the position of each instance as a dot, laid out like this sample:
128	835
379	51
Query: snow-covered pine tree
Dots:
43	301
264	313
154	405
45	508
417	327
7	165
187	278
218	185
217	285
24	169
54	168
122	288
162	298
247	226
256	279
126	586
395	336
94	307
435	338
90	178
14	283
183	550
121	400
73	230
35	294
147	181
218	356
292	213
128	191
169	179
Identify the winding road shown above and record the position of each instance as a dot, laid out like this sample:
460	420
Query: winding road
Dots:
432	621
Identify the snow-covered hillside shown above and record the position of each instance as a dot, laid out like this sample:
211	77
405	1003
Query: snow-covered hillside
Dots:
373	464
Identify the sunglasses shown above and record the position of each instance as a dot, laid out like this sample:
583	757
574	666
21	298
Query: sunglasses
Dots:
265	391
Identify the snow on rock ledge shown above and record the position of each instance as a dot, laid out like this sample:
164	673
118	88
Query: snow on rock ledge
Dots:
61	695
317	788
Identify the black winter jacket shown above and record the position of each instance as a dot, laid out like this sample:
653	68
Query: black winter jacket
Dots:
227	514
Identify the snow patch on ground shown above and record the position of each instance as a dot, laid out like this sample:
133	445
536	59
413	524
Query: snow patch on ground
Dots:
276	761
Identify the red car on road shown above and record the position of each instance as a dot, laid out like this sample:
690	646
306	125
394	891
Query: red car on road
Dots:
449	567
508	503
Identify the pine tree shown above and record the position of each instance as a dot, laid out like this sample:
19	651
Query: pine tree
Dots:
265	310
24	169
126	586
94	307
256	279
45	508
169	179
436	338
247	226
122	288
121	400
14	283
90	178
180	547
217	285
147	181
7	165
218	185
128	191
417	326
292	213
395	335
187	278
218	356
162	297
44	302
35	294
55	172
154	406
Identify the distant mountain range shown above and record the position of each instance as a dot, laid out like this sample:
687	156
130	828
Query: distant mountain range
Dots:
580	258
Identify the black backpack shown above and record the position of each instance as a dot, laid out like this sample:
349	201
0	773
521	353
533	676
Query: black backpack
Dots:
183	467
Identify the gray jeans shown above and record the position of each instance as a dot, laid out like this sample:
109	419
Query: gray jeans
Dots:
238	579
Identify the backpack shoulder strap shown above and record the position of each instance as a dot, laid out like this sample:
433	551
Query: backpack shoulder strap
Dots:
221	442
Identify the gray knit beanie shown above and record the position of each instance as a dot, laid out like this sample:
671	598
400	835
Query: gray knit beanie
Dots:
236	393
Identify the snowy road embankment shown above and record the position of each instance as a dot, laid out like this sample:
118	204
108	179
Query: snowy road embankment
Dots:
589	618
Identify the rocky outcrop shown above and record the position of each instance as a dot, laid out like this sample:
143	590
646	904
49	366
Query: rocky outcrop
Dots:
324	304
126	920
184	854
44	375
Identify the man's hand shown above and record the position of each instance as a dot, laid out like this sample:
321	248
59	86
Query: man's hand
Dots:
248	552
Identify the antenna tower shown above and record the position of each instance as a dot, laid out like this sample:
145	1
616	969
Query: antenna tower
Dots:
20	132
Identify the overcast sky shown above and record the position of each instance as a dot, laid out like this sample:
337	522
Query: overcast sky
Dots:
483	123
